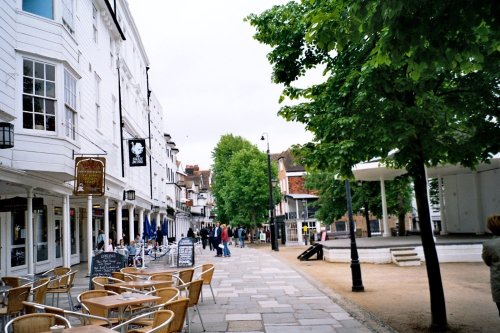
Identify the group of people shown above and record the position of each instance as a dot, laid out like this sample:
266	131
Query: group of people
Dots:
220	236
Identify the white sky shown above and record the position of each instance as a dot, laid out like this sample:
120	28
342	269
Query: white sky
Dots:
210	76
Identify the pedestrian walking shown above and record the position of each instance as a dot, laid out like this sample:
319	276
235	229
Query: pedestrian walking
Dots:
211	238
159	236
204	237
491	257
241	236
225	240
217	239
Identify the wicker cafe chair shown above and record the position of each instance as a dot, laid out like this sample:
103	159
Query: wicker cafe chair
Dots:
167	277
122	276
167	294
100	281
15	300
194	291
206	274
39	290
96	311
11	281
57	272
84	318
62	285
178	307
35	323
161	322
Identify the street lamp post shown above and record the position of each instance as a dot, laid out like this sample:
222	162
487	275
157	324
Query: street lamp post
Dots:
272	222
305	227
357	282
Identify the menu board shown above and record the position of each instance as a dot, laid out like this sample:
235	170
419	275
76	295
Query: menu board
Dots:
104	263
185	252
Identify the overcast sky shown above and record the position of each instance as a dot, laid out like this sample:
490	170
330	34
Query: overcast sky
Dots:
210	76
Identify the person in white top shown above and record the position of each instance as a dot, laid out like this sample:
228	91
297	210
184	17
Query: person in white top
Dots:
109	247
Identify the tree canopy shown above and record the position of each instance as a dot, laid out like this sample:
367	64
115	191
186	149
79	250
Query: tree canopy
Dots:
414	83
241	182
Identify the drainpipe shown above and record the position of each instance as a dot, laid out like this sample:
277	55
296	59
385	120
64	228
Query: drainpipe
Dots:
149	136
121	114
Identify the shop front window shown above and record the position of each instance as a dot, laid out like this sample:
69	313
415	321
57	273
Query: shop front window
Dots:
18	239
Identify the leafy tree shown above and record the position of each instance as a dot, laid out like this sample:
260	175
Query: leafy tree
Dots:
246	192
241	182
415	83
221	155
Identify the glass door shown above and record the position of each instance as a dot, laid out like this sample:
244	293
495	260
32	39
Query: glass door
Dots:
41	237
18	239
4	221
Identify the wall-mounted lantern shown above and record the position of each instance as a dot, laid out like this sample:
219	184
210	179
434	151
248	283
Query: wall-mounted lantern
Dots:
129	195
6	135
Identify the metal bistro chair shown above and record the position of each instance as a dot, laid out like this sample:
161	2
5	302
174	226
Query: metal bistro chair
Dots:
62	285
15	300
100	281
39	290
206	274
178	307
194	290
35	323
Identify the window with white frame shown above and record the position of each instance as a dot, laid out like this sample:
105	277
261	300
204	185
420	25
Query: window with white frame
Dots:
95	14
39	95
70	105
67	14
43	8
97	88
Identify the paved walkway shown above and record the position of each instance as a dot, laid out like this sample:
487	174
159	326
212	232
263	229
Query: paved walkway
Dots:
255	292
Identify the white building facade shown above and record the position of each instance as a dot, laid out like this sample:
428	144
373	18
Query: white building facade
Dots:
74	83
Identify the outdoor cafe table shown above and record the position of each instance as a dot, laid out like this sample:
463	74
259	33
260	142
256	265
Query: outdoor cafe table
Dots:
87	329
140	284
120	301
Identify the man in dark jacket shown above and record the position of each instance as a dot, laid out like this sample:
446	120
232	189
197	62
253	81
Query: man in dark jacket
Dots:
217	239
204	237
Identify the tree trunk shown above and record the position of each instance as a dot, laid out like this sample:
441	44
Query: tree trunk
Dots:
367	217
402	226
438	306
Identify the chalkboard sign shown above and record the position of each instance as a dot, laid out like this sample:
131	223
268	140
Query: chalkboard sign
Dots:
185	252
104	263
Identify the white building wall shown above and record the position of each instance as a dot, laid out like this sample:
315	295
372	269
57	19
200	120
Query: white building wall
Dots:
47	157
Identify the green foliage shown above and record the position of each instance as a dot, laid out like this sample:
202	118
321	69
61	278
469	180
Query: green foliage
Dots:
241	183
415	83
221	155
331	204
419	77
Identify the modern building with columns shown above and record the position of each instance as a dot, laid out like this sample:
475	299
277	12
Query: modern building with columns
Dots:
73	78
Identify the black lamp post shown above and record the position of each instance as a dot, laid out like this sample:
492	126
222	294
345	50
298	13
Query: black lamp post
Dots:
357	283
305	227
272	223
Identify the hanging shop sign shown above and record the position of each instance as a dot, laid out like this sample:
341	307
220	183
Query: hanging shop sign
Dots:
137	152
90	175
